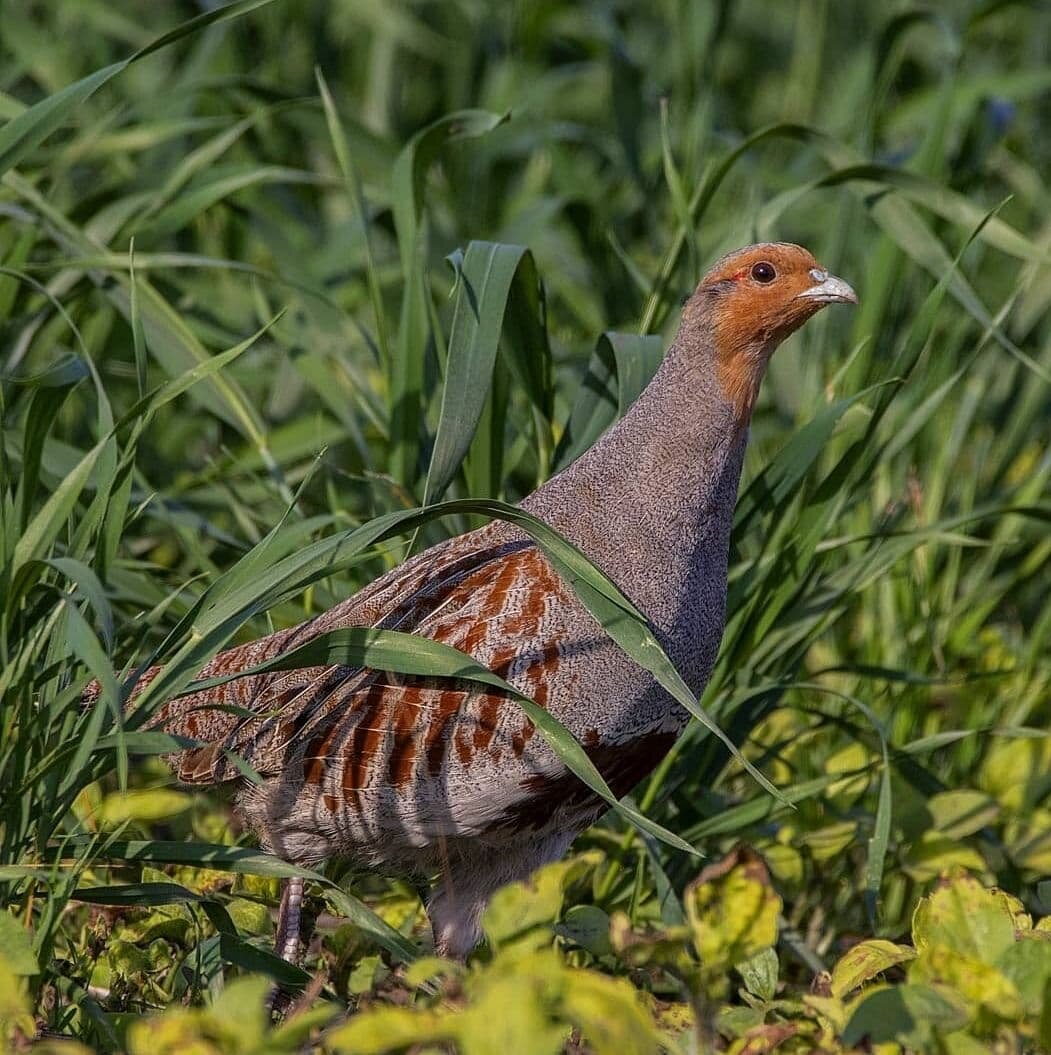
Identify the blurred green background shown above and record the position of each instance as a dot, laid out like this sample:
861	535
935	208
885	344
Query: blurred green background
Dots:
887	659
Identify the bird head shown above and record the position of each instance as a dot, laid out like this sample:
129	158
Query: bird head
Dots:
749	302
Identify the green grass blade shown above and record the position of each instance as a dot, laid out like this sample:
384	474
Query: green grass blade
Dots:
31	127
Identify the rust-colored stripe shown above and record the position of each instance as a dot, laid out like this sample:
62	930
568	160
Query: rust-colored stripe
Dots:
502	660
542	674
317	755
455	574
464	748
488	717
448	705
522	737
505	581
406	705
364	742
475	638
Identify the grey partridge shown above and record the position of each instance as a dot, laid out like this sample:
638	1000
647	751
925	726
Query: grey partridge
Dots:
421	775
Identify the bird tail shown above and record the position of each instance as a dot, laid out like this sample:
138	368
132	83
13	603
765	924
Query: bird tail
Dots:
217	715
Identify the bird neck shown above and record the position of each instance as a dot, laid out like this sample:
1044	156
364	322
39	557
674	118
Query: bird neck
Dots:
652	501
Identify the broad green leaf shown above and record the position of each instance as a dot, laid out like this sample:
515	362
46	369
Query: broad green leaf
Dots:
912	1015
407	363
1026	964
261	961
42	530
536	902
136	894
588	927
760	973
214	189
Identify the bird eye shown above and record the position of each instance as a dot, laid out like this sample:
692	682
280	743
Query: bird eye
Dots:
764	272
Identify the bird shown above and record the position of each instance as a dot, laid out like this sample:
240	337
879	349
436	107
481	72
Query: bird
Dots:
428	776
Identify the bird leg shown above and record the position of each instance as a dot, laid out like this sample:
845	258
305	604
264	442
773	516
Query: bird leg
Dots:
286	944
469	879
455	923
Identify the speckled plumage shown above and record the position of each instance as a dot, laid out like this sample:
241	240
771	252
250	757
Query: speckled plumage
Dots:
422	775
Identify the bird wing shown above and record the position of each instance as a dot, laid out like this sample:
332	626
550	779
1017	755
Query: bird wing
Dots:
379	761
372	757
242	713
376	763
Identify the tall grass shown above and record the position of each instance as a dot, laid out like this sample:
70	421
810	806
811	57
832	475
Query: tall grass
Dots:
296	267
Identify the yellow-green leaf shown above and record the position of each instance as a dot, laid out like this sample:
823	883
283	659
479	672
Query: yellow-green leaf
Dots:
381	1029
521	907
1029	841
250	916
829	842
964	917
15	1016
981	985
732	911
16	946
515	1006
668	946
866	960
609	1014
1018	772
957	814
849	759
906	1014
154	804
1027	965
933	854
760	972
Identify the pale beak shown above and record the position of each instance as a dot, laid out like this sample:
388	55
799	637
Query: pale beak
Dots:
828	290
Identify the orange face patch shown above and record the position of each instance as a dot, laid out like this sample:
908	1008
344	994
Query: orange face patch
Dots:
751	301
